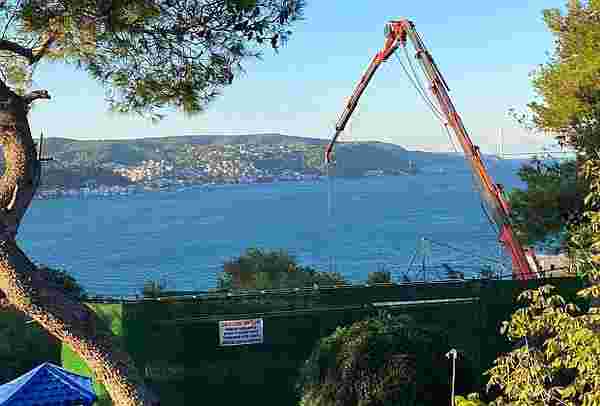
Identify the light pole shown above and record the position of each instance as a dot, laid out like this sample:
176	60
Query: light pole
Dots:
452	354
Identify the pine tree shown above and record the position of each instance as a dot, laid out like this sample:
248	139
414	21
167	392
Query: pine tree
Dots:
150	55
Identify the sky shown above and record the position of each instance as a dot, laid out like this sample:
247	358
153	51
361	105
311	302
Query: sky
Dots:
485	50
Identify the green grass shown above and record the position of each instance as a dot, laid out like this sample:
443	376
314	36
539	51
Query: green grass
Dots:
112	315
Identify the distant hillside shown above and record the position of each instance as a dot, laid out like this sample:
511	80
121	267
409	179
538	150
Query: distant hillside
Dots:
134	151
152	148
352	158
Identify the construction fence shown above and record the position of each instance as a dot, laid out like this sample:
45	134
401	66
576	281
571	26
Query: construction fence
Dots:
191	349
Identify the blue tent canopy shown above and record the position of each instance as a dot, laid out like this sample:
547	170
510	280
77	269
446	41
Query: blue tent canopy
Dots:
48	385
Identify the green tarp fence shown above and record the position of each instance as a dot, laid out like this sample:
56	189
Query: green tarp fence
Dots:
175	341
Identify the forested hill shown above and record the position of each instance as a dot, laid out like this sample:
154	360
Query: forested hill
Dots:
192	140
130	151
188	151
178	150
134	151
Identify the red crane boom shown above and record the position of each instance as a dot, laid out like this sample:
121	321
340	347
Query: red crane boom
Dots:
397	34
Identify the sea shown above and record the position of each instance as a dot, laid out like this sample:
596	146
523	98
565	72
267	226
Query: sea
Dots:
414	226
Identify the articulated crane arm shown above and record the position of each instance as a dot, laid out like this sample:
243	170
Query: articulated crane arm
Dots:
397	34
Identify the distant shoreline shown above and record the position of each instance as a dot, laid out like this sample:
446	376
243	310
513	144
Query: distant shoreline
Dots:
104	191
118	191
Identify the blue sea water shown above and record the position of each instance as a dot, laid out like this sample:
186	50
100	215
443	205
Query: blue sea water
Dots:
353	226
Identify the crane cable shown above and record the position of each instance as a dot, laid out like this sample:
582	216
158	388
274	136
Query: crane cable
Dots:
330	203
418	85
416	81
463	251
413	77
476	185
420	88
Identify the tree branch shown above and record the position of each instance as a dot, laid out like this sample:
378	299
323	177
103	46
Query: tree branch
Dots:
35	95
6	45
33	55
38	53
30	291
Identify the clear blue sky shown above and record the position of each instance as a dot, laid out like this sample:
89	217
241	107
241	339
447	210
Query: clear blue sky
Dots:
486	51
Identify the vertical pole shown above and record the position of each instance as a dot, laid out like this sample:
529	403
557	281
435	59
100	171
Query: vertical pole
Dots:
452	354
424	253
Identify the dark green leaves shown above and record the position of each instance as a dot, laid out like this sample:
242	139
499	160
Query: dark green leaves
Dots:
242	5
155	54
556	354
552	201
574	67
379	361
261	269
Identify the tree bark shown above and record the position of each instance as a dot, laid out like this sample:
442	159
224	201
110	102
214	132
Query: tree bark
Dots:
27	289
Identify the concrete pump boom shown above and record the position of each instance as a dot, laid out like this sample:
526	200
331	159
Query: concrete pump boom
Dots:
397	34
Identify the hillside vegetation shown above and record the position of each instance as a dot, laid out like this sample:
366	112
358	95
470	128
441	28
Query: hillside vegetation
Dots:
134	151
184	151
221	158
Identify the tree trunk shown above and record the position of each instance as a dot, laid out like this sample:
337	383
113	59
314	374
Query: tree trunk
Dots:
27	289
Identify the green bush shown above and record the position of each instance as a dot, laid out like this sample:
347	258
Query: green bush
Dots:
379	277
471	400
64	281
153	288
259	269
552	201
379	361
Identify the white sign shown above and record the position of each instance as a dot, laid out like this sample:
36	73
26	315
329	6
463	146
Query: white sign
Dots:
240	332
